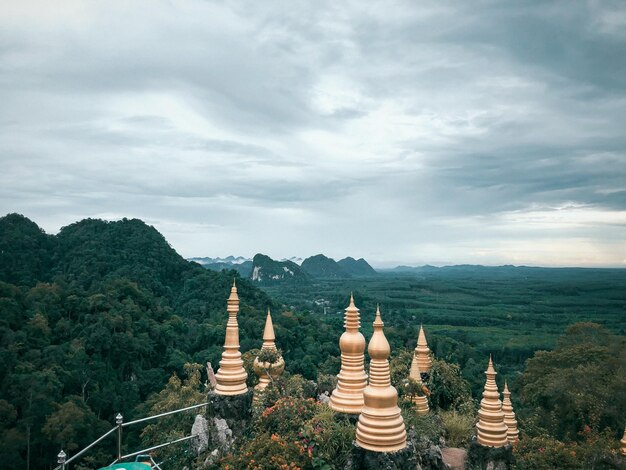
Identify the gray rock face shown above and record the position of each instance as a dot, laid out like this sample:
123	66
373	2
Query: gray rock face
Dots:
489	458
223	434
201	429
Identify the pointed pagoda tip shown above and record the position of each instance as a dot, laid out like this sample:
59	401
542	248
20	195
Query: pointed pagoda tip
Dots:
378	321
490	366
351	298
268	331
506	387
235	283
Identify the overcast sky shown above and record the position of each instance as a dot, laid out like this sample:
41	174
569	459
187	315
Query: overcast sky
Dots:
404	132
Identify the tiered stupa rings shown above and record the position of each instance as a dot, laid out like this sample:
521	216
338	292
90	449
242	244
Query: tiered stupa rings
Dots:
231	376
352	379
380	427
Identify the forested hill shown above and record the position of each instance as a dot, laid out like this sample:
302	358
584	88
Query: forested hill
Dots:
95	319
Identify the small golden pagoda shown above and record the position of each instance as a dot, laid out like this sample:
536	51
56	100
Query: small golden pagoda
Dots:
421	402
491	431
623	444
352	379
231	376
509	416
265	369
422	351
380	427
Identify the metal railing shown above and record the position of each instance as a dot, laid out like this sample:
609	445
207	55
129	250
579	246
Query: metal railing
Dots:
64	462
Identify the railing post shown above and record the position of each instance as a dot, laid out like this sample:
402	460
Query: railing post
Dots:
61	459
119	419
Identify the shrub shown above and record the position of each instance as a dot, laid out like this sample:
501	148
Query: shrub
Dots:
458	428
287	416
268	451
328	438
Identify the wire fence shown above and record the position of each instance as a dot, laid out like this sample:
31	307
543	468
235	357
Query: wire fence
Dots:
64	461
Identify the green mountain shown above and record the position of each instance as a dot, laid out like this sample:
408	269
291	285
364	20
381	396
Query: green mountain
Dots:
266	271
25	251
320	266
95	320
357	267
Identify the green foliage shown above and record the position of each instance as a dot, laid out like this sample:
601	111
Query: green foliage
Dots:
268	452
593	451
428	426
328	438
287	416
459	427
400	366
448	389
581	383
177	394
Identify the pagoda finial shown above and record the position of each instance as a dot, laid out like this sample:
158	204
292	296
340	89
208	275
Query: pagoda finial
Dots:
491	431
352	379
423	352
231	376
509	415
266	369
380	427
420	401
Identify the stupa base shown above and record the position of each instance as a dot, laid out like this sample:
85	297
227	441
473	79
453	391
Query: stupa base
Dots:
236	410
496	458
399	460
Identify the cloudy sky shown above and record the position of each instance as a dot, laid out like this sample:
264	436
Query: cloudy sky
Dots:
404	132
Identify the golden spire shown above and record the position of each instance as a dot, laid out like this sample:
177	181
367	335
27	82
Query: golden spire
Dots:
422	351
420	401
380	427
509	416
623	444
352	379
231	376
265	369
490	429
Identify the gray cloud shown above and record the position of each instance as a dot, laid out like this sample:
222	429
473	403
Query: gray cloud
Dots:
425	132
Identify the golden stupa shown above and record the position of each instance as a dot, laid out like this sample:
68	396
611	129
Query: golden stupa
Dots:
265	369
422	351
352	379
380	427
623	444
490	429
231	376
421	402
509	416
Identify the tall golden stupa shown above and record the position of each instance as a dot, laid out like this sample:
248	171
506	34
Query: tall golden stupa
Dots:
380	427
420	401
490	429
231	376
623	444
422	351
509	416
352	379
262	368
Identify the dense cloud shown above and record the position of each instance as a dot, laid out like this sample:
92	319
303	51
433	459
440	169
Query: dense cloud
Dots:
409	132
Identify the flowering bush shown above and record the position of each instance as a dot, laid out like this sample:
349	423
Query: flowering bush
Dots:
595	450
328	437
287	416
268	452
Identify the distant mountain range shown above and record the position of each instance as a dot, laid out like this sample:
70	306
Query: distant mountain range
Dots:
265	270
